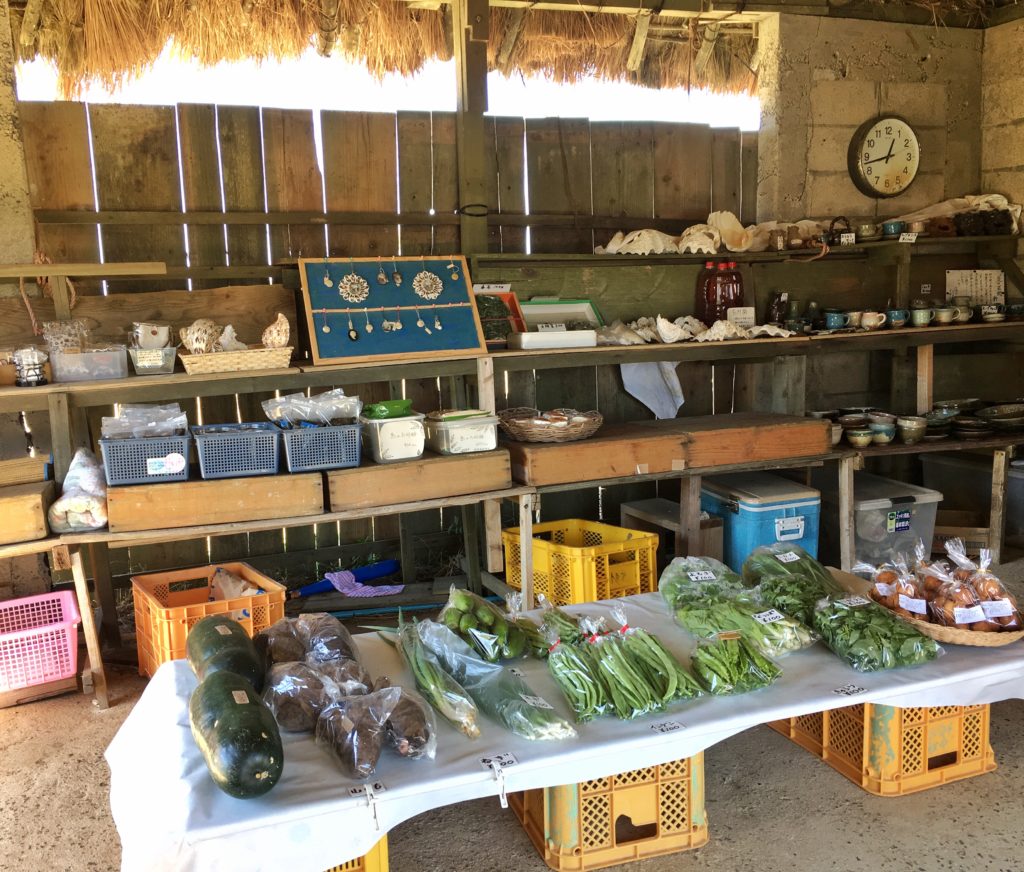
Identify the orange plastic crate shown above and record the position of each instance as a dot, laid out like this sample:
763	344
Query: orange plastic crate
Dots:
168	604
374	861
626	817
582	561
895	751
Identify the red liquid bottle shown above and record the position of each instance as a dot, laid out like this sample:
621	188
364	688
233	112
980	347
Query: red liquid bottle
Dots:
705	297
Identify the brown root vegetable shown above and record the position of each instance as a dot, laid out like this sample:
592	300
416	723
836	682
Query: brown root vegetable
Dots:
295	694
353	730
280	644
410	729
325	638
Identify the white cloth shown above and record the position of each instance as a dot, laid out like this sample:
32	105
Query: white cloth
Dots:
170	816
656	385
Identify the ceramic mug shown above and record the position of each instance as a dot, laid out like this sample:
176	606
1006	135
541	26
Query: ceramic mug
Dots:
835	320
898	317
947	314
892	228
963	301
872	320
854	317
922	317
867	230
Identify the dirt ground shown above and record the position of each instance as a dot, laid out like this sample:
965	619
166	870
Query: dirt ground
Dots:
771	806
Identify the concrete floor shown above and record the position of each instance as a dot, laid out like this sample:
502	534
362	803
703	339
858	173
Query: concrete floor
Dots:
771	806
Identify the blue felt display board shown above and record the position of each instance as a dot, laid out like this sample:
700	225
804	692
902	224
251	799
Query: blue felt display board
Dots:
460	331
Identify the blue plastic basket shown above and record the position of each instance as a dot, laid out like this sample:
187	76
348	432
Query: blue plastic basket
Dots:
237	450
307	449
148	460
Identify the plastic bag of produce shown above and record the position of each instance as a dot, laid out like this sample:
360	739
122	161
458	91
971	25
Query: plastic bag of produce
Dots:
280	643
869	637
483	625
729	664
442	691
956	604
325	638
341	677
896	588
653	661
691	578
565	627
786	559
1000	607
294	692
536	646
628	691
576	673
352	728
497	691
410	729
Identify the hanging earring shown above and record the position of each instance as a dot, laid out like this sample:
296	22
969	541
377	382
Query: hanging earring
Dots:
396	276
382	278
328	283
426	284
353	334
369	326
437	323
325	327
398	319
419	320
454	269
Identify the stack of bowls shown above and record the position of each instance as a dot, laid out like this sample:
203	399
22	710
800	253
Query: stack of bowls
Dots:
882	426
837	434
971	427
939	425
912	428
1009	416
956	407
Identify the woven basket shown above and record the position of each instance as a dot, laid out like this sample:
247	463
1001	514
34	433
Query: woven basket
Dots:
949	635
237	361
518	425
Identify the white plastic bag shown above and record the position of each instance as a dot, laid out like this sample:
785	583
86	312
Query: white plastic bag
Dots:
82	504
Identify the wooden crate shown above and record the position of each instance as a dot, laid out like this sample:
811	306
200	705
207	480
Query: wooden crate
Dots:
23	508
956	524
428	478
23	470
223	501
651	447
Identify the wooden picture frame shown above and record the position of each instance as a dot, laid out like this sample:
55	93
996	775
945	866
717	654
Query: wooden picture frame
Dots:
388	303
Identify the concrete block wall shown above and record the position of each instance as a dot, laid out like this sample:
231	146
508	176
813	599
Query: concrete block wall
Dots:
822	78
1002	116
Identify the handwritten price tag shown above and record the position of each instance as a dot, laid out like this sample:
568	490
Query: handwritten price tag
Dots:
667	727
502	761
908	237
850	690
847	238
378	787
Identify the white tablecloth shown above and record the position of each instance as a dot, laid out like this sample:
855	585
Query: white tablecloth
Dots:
171	816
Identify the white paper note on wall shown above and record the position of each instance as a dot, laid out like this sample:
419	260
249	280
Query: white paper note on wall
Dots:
981	285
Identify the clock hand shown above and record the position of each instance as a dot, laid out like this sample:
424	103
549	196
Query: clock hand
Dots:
892	145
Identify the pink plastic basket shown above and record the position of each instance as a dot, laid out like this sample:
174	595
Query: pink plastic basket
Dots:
38	640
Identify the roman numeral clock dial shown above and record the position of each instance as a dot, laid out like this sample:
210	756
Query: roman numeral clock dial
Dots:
884	156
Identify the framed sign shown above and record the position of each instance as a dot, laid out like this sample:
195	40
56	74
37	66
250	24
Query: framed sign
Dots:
362	309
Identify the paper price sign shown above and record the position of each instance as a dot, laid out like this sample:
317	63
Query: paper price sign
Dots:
377	787
908	237
667	727
850	690
853	601
701	575
787	557
847	238
502	761
769	617
536	701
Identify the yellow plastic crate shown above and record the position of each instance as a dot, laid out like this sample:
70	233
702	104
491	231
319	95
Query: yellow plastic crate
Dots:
895	751
626	817
375	861
168	605
582	561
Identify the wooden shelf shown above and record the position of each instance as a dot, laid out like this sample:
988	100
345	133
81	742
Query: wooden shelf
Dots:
24	549
893	449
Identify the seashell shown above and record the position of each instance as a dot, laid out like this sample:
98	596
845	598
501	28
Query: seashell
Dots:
721	331
277	334
647	242
700	239
694	325
200	336
229	341
769	330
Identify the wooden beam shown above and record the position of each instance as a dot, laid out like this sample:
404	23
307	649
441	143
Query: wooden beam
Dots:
102	270
30	23
511	38
997	514
925	378
689	517
62	556
636	50
847	465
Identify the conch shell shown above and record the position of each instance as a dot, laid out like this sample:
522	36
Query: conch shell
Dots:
276	335
201	336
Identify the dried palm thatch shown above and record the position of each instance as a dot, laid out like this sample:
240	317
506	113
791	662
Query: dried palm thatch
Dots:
109	41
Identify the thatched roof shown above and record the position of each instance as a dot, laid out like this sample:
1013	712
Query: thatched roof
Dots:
108	41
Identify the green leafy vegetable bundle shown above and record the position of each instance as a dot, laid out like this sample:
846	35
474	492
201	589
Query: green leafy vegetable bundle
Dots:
691	579
869	637
729	664
789	579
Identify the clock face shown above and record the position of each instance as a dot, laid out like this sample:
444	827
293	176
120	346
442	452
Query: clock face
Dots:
884	156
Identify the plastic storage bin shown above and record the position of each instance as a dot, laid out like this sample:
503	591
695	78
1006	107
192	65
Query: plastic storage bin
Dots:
966	483
146	461
462	436
582	561
889	516
307	449
168	604
375	860
38	640
892	751
391	439
153	361
72	366
236	450
620	819
758	508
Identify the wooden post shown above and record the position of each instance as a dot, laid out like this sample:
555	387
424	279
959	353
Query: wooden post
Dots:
526	506
997	516
485	398
61	435
688	538
470	25
847	464
902	276
471	538
63	557
408	550
99	561
925	378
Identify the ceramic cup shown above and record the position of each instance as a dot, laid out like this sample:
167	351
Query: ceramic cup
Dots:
835	320
859	437
872	320
892	228
854	317
922	317
963	303
947	314
916	227
898	317
866	231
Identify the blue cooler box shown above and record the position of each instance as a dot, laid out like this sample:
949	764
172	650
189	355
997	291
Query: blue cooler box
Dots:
761	509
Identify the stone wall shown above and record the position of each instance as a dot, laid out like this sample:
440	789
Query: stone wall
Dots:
1002	119
821	78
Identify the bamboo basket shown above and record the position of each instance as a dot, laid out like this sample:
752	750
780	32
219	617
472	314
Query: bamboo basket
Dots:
518	425
237	361
949	635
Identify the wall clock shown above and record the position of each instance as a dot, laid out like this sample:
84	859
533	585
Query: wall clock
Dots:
884	156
